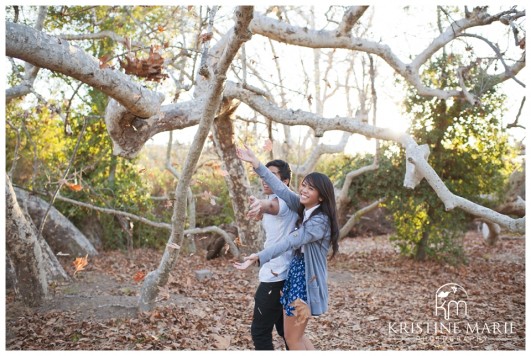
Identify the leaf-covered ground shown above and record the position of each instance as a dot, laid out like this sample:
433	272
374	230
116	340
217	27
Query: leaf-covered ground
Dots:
378	301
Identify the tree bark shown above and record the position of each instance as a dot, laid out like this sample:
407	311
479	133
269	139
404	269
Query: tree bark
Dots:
490	232
24	252
249	230
422	245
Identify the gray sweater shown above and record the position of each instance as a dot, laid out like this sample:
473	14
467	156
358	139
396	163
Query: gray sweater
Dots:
314	234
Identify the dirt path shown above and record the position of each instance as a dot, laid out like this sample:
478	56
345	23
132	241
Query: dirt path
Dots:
376	299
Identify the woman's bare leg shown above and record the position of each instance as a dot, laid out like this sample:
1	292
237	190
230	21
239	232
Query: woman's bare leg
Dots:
294	334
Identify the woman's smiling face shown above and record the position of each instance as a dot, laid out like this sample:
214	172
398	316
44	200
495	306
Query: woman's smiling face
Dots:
309	196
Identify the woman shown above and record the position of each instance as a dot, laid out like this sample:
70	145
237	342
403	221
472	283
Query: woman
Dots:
316	230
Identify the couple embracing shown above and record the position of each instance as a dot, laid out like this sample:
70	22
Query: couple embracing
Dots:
300	231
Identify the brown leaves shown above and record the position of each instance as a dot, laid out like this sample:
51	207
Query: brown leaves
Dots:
72	186
238	242
369	286
149	68
80	263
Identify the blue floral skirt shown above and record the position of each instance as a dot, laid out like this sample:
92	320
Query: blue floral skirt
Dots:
295	285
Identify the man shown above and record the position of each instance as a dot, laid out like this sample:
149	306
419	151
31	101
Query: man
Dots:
278	221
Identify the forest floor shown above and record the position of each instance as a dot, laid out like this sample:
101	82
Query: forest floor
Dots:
378	301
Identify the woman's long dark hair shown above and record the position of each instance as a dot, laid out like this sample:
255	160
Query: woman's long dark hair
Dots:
324	186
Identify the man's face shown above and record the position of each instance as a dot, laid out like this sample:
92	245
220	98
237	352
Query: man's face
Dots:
265	187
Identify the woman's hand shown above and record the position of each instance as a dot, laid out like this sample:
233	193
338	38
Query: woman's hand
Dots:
247	155
247	261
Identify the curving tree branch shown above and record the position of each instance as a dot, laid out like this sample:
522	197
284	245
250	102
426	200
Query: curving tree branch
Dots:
59	55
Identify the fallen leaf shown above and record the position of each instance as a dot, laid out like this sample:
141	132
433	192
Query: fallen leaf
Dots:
74	187
238	242
173	245
139	276
80	263
205	37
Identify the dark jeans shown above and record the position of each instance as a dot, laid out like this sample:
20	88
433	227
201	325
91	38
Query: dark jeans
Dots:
267	313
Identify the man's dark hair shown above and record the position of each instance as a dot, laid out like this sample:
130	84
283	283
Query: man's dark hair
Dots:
283	169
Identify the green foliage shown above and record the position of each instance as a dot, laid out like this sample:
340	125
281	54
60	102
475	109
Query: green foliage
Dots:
45	151
468	150
368	187
211	194
213	205
106	181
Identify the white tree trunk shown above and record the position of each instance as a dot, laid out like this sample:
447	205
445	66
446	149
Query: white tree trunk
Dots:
24	252
236	38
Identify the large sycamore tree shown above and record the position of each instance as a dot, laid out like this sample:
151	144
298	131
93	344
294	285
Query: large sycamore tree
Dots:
169	68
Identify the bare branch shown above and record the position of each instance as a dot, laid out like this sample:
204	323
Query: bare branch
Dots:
515	123
508	70
351	16
101	35
317	152
342	197
30	71
305	37
228	47
17	147
415	155
193	231
355	218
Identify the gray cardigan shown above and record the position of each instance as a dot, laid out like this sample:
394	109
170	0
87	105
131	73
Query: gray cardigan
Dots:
314	234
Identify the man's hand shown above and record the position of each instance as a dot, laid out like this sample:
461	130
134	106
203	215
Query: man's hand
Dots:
255	210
